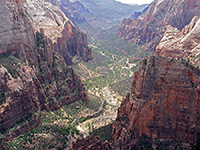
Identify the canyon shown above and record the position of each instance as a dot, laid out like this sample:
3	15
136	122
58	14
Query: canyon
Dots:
163	91
150	26
35	51
138	88
162	109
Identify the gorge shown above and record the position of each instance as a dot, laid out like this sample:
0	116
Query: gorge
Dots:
134	85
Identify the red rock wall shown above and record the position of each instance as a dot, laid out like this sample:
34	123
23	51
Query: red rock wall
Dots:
149	27
162	110
73	42
164	102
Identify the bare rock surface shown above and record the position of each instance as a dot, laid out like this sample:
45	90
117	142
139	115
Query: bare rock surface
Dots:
150	26
162	110
181	44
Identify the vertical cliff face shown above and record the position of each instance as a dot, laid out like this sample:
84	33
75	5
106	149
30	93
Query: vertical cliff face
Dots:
16	31
67	39
163	104
20	20
182	44
161	112
22	95
33	71
73	11
149	27
73	42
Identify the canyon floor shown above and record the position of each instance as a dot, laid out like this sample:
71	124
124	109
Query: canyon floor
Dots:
107	77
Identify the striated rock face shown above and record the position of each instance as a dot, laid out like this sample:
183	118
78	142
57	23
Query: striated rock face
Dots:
46	16
73	11
182	44
73	42
67	39
16	31
47	83
149	27
91	143
161	112
163	104
20	20
23	95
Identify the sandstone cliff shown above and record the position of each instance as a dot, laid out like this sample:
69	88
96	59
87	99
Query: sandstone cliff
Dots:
21	19
149	27
73	11
22	96
33	71
182	44
67	39
162	110
163	104
16	31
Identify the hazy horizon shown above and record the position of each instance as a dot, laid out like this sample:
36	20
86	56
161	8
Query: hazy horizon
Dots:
136	1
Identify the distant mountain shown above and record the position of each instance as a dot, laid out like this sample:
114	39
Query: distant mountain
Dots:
109	10
150	26
94	15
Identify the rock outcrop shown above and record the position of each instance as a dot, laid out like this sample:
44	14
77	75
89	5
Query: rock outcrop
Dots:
163	104
91	143
73	11
35	37
23	95
73	43
21	19
67	39
162	111
16	31
149	27
181	44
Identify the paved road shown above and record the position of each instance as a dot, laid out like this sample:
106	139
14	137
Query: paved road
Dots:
88	117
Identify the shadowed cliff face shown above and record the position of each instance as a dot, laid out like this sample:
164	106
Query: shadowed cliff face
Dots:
67	39
182	44
73	11
149	27
33	70
162	110
73	43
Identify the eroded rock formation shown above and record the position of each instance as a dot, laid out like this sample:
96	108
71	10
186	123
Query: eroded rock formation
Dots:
16	31
181	44
73	11
67	39
162	110
33	70
149	27
163	104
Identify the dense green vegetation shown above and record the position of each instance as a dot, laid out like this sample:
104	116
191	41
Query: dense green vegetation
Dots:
104	133
115	61
55	126
11	63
